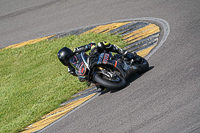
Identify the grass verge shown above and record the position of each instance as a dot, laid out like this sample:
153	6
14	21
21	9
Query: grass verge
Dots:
33	82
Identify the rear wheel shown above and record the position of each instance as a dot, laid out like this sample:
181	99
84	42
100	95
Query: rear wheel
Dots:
142	65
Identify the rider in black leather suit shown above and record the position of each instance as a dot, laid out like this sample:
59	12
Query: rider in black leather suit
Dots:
101	47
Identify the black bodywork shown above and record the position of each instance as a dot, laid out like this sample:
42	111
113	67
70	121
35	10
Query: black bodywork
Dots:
121	66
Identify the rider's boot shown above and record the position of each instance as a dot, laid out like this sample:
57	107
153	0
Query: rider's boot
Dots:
100	88
136	58
132	56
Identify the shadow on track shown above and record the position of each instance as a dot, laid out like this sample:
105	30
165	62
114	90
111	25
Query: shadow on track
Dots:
129	81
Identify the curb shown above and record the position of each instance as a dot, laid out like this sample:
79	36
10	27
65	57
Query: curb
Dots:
144	35
141	33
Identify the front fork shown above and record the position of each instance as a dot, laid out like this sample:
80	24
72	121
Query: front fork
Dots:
110	75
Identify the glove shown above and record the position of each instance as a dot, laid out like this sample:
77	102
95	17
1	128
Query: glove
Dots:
71	70
84	48
91	45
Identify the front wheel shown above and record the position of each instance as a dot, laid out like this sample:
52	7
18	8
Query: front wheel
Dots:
117	82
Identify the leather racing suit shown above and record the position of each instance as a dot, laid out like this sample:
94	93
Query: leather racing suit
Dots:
77	68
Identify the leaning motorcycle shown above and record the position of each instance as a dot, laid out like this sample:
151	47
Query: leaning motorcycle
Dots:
107	70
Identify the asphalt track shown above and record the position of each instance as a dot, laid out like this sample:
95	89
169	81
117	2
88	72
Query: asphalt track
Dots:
166	99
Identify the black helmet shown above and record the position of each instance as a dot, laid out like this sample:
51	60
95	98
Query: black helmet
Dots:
64	54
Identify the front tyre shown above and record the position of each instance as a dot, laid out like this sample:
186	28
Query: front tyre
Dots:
121	83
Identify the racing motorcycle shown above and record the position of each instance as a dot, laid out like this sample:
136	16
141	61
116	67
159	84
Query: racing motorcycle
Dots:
107	70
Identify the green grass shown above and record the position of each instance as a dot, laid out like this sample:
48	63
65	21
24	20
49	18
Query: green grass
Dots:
33	82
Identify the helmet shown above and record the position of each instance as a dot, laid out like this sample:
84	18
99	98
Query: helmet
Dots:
104	46
64	54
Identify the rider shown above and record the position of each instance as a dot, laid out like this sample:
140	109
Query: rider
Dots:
66	55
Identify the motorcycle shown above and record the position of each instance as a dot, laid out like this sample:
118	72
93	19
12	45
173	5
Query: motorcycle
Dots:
107	70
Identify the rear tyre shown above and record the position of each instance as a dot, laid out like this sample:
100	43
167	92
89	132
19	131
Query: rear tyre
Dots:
142	65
